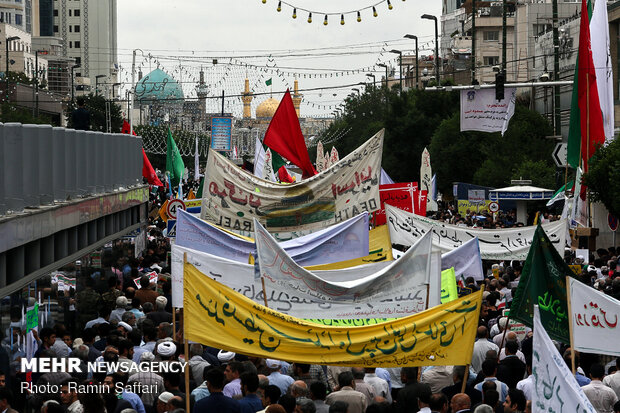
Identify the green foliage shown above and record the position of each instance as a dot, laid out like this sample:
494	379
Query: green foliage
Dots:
12	113
96	105
603	176
541	173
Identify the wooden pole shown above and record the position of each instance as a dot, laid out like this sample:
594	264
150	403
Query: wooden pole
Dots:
185	349
465	377
570	325
428	294
174	322
504	335
262	280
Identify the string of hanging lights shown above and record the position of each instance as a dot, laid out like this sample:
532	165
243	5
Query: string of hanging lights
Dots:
356	12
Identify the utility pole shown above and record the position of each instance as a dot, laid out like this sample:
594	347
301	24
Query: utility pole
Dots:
505	10
473	42
556	71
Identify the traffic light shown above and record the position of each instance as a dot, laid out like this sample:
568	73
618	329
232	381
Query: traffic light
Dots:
500	78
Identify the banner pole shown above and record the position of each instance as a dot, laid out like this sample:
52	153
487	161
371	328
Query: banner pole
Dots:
174	322
185	349
504	335
262	280
465	377
570	325
428	295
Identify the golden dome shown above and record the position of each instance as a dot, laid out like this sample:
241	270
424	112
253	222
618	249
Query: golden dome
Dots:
267	108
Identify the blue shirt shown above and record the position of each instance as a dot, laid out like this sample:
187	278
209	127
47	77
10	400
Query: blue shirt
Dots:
251	404
217	403
134	400
502	388
282	381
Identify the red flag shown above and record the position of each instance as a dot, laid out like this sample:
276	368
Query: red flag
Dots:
284	175
148	172
592	130
126	128
284	136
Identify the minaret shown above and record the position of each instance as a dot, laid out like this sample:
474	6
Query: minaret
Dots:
247	100
202	91
296	97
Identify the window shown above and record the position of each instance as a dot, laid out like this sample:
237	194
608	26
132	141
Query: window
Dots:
70	45
55	29
1	17
491	60
76	28
18	19
78	60
70	29
76	12
69	12
55	12
76	45
491	35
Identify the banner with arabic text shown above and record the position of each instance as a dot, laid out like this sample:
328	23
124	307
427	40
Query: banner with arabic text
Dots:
342	241
233	197
216	315
595	320
408	275
401	195
495	244
480	111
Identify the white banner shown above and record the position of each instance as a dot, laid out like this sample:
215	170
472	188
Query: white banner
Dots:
495	244
426	177
407	276
293	301
233	197
555	387
595	319
601	56
481	112
465	259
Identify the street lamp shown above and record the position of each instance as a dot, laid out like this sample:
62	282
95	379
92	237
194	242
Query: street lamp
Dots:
386	73
434	18
97	84
373	78
36	80
356	90
72	79
400	64
6	73
417	62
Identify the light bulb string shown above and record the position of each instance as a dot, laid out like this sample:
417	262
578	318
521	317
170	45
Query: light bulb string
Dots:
333	13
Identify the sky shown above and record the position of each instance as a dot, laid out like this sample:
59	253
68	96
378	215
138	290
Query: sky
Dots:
252	39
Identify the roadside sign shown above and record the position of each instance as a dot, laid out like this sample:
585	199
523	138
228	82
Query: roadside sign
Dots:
494	207
559	154
172	207
172	228
612	221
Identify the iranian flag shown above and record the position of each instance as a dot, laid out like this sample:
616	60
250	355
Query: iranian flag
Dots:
586	130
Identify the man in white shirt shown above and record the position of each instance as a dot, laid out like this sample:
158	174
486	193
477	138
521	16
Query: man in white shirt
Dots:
68	396
527	385
378	384
613	380
602	397
481	346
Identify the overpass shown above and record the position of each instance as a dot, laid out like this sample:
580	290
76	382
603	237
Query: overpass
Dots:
63	194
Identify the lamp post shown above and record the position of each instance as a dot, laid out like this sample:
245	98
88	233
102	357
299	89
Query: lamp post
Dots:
373	78
386	73
97	84
417	62
6	73
36	80
434	18
400	64
72	79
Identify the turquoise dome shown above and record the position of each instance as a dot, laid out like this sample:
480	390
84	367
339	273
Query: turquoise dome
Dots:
158	87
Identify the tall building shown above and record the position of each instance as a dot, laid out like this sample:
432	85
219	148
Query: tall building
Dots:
88	29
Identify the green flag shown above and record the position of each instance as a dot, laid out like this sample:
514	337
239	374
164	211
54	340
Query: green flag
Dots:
573	148
200	188
448	286
268	82
543	283
174	162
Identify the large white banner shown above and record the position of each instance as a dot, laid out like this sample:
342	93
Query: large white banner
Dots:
408	276
595	320
290	300
234	197
481	112
344	241
555	387
495	244
465	259
601	56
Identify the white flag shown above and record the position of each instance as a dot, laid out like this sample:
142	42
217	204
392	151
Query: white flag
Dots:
196	163
555	387
599	33
426	177
579	213
385	178
595	319
320	161
259	159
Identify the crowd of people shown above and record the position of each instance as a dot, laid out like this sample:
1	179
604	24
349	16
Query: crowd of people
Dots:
120	313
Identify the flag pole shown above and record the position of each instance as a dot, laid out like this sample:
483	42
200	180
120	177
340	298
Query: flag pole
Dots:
186	351
262	280
504	335
570	325
465	377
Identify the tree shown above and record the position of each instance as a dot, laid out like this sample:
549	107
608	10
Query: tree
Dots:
96	105
603	176
12	113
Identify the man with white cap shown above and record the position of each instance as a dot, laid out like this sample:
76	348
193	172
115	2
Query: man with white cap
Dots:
162	401
160	315
166	350
121	307
276	378
147	378
226	356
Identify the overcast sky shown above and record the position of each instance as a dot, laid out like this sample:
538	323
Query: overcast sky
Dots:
180	36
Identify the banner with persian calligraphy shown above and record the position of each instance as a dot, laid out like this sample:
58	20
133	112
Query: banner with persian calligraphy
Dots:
595	320
344	241
555	387
234	197
291	300
218	316
408	275
480	111
403	196
496	244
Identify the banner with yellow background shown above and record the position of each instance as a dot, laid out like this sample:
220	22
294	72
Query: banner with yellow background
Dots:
217	316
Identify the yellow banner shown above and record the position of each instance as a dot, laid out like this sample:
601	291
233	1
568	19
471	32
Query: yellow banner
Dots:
464	206
380	248
217	316
448	286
